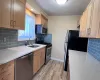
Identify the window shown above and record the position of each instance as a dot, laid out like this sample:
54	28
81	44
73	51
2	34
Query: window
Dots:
29	32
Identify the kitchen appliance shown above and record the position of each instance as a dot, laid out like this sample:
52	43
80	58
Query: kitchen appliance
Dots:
48	51
39	29
24	67
73	42
45	39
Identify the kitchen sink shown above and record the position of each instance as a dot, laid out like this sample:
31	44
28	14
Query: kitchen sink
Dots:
34	46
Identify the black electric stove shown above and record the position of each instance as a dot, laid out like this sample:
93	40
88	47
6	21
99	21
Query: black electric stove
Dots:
48	51
47	44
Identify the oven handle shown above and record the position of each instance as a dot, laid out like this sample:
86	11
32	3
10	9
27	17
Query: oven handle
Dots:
49	48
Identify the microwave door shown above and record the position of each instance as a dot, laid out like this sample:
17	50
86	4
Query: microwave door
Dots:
38	29
44	31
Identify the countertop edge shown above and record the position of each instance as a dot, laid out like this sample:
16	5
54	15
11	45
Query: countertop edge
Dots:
83	66
25	53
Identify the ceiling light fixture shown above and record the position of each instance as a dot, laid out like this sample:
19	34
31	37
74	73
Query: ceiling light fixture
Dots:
61	2
31	9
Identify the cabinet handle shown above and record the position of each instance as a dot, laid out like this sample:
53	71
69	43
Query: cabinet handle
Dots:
14	23
89	31
11	22
99	28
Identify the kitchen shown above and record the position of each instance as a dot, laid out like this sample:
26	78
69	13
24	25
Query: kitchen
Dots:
49	40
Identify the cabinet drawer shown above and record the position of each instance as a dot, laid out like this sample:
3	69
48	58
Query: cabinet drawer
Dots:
6	67
38	51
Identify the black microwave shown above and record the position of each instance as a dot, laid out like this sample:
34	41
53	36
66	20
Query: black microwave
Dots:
39	29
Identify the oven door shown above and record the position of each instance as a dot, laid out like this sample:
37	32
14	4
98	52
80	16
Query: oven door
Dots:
48	54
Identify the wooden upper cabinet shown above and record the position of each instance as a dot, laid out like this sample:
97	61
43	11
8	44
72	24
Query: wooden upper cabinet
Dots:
6	14
41	20
90	20
12	14
19	14
95	19
38	19
98	33
83	24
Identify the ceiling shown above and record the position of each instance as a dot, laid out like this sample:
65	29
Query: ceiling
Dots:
72	7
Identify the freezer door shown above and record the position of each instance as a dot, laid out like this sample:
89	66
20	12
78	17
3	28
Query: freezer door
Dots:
65	48
65	55
66	37
66	43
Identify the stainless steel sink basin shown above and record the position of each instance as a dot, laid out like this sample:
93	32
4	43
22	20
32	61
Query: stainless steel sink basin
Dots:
34	46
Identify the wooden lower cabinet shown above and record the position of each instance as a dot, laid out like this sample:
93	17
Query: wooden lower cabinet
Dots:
7	71
42	57
38	60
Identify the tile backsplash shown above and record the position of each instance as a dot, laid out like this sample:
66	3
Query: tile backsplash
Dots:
94	48
9	38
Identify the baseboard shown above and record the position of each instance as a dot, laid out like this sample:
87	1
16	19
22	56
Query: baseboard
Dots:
57	59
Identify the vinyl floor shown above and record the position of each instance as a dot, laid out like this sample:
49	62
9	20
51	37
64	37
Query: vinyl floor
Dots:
52	71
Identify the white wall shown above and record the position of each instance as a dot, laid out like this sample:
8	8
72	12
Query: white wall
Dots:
58	26
35	6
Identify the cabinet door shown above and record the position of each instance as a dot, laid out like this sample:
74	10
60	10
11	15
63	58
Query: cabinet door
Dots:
38	19
89	18
83	24
7	71
36	62
19	15
98	34
6	13
44	21
95	19
42	56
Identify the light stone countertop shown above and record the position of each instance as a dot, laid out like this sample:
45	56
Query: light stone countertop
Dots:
83	66
9	54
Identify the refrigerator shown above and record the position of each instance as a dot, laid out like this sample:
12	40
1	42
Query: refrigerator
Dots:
73	42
